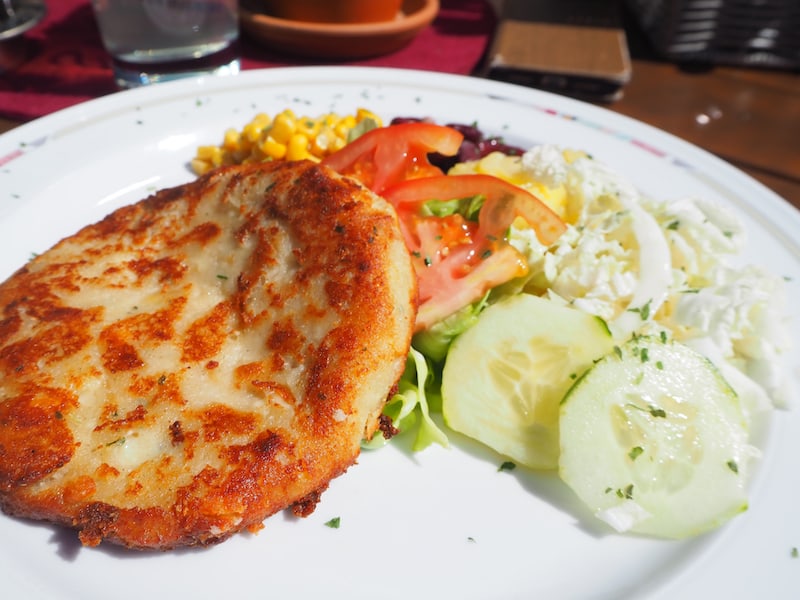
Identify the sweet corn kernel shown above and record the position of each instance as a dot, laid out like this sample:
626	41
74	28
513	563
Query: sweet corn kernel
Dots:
321	142
297	148
251	131
200	166
205	152
273	149
216	157
262	120
231	140
308	127
283	128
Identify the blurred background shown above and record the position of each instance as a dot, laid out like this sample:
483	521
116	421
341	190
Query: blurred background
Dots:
722	74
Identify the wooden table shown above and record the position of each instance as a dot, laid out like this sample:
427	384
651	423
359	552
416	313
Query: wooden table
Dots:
748	117
751	118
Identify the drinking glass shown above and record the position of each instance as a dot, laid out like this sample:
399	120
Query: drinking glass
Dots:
157	40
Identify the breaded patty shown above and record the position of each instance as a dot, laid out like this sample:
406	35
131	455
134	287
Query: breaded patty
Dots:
202	359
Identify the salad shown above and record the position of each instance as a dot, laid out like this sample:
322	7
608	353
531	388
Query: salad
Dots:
571	323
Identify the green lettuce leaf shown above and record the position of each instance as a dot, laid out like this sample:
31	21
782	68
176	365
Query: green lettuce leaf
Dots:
435	342
410	408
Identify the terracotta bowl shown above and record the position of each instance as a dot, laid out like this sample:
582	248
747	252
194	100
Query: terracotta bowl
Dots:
338	41
334	11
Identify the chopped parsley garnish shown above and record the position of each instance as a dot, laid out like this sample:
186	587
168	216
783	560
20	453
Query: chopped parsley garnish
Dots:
626	492
635	452
644	311
733	466
652	409
333	523
507	466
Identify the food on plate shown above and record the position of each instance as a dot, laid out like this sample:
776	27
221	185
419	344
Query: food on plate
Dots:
286	136
646	267
455	227
505	376
654	441
512	169
476	144
511	245
386	156
202	359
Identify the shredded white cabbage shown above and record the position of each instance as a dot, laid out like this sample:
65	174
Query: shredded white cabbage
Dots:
546	164
649	265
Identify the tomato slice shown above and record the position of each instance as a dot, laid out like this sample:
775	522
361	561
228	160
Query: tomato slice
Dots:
385	156
457	260
504	202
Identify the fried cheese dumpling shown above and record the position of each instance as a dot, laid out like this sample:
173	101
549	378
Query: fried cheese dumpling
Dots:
202	359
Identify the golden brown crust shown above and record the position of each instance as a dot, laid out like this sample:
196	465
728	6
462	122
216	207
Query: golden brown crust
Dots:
197	361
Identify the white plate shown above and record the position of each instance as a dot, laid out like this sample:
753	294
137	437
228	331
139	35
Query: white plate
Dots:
443	523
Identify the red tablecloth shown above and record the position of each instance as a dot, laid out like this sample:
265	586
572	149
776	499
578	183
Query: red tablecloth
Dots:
67	63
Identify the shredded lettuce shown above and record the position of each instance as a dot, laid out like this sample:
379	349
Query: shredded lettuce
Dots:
466	207
435	342
410	408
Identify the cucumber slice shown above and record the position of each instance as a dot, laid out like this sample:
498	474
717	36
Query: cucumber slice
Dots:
654	441
504	377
